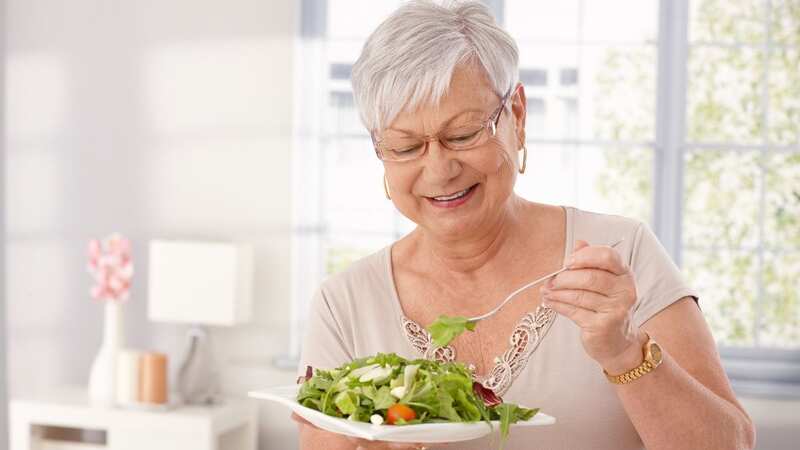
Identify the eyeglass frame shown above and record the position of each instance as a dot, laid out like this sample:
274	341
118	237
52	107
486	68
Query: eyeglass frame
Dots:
491	121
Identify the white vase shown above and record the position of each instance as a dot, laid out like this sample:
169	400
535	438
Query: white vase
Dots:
102	378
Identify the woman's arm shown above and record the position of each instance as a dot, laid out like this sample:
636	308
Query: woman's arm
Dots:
312	438
687	401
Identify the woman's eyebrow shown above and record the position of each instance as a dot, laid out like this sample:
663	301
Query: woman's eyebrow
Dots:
444	125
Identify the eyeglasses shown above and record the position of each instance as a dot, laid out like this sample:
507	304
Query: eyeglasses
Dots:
463	137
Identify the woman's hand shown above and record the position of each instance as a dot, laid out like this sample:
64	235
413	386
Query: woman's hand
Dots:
598	293
331	440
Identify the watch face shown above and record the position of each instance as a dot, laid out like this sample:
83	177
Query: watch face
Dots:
655	353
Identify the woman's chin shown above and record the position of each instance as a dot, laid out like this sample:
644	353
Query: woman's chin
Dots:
454	228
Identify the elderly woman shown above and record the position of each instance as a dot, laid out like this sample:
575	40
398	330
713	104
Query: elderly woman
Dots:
615	348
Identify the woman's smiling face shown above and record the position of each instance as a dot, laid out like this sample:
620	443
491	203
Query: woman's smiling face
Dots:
454	194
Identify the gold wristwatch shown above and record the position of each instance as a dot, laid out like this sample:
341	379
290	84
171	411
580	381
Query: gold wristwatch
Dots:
652	358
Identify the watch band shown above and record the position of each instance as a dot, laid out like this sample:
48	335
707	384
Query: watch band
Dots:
651	361
633	374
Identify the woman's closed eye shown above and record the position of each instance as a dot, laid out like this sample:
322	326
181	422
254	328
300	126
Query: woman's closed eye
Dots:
463	136
409	149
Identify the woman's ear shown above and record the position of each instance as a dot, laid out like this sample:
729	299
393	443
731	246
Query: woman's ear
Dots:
519	106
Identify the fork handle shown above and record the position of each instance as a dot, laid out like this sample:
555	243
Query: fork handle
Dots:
532	283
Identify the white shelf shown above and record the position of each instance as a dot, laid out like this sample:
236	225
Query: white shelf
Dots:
49	444
189	427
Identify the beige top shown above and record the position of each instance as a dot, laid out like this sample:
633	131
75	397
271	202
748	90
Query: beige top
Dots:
357	313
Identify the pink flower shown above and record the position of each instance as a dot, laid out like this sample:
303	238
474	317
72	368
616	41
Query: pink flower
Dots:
111	267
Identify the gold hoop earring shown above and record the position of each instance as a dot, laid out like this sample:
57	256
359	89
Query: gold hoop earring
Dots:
386	188
524	159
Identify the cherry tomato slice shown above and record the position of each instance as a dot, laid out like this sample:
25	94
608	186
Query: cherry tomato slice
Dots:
399	411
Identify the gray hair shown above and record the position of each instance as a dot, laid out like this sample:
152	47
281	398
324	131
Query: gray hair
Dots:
410	58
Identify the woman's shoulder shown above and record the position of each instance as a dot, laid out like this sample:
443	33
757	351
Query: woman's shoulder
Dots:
590	220
601	228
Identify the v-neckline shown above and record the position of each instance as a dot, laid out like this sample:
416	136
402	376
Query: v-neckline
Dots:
525	337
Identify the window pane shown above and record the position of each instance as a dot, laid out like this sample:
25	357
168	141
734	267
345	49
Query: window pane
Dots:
343	52
725	95
780	324
608	180
549	117
356	19
625	184
342	116
726	282
785	22
354	182
618	91
593	92
533	77
542	20
784	96
721	199
603	22
727	21
782	214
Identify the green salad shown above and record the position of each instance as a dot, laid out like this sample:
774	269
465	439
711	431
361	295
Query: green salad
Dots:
388	389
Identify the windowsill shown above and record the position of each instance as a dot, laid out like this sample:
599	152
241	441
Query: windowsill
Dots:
763	373
766	390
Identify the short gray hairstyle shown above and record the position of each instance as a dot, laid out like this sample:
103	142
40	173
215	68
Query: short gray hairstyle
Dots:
410	58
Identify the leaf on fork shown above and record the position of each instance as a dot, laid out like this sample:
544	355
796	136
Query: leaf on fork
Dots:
444	329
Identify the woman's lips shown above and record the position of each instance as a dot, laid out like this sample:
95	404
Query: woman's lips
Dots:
455	202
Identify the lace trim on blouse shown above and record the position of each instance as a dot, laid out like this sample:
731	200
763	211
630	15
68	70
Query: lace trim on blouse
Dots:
525	338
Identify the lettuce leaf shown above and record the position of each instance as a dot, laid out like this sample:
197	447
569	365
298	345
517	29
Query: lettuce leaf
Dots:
444	329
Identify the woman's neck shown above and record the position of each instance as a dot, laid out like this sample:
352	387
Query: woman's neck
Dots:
491	247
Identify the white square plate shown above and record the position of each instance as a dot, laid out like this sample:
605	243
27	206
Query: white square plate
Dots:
425	433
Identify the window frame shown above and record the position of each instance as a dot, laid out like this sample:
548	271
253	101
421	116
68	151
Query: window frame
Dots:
755	371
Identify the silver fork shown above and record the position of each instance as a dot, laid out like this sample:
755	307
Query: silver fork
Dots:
532	283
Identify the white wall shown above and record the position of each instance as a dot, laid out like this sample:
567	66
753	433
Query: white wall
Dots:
154	119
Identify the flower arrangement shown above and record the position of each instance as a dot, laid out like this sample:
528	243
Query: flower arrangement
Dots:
111	267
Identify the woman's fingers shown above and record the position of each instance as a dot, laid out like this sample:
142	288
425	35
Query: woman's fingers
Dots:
595	280
598	257
579	298
300	420
581	316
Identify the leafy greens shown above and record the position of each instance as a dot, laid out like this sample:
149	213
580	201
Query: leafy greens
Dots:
437	392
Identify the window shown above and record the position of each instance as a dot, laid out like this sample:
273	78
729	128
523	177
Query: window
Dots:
533	77
741	215
610	85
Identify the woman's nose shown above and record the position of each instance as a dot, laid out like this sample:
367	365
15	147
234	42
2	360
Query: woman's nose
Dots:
440	164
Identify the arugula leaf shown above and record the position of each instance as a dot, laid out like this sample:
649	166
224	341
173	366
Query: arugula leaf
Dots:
509	413
444	329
